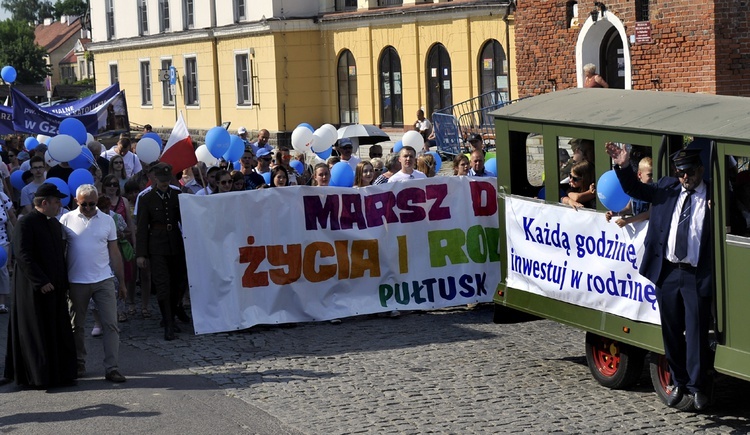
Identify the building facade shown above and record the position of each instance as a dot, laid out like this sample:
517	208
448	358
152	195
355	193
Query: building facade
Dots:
697	46
274	64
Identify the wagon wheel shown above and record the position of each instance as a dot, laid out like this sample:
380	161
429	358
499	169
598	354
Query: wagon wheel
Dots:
613	364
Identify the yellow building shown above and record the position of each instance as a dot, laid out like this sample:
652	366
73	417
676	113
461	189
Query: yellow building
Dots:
284	63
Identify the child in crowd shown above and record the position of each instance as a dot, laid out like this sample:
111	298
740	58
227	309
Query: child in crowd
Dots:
637	209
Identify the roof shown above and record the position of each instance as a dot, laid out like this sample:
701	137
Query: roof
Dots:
69	58
56	34
700	115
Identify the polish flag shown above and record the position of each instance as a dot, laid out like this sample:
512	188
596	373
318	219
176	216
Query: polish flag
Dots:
179	151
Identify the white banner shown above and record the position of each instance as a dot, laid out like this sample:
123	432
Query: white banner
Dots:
300	254
579	258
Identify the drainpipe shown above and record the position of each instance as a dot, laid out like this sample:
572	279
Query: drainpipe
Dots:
217	93
511	6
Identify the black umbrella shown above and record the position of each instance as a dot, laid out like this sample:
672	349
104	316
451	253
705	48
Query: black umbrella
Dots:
367	134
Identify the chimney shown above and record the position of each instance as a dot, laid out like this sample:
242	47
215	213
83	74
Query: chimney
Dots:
64	19
48	21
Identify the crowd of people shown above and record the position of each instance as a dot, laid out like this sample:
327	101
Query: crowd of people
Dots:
121	234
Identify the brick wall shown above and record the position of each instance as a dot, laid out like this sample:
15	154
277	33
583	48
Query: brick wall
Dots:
698	46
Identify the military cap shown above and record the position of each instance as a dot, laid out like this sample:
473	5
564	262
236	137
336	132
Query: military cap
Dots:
687	158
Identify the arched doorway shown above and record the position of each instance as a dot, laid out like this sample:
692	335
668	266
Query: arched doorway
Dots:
439	84
391	102
603	42
347	79
613	60
493	75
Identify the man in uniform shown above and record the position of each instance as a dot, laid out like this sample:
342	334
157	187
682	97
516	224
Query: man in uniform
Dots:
159	244
677	259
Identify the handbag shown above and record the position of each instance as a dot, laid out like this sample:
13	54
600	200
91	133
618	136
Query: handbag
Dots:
128	253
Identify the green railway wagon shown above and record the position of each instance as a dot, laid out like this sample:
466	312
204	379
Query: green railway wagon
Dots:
531	136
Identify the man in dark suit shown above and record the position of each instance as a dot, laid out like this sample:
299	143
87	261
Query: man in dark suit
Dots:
41	351
159	244
677	259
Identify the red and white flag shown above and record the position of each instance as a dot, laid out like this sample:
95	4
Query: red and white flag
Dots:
179	151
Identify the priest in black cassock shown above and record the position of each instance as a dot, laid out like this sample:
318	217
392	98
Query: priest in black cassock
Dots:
41	352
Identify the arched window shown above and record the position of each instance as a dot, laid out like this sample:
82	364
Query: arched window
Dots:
347	76
493	69
391	102
439	94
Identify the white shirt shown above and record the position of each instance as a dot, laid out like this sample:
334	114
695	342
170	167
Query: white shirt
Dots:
698	214
423	125
88	250
353	161
402	176
132	164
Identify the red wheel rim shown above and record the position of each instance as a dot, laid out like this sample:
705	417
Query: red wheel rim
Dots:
606	355
665	377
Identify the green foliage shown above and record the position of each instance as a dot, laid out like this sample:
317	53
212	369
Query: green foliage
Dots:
20	52
86	93
29	11
76	8
85	82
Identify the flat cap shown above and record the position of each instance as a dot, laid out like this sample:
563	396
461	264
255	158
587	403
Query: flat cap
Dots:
47	190
687	158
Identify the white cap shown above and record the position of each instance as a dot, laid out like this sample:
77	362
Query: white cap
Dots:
241	130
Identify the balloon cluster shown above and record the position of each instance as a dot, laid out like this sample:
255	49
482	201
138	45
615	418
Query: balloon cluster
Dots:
320	142
220	145
68	146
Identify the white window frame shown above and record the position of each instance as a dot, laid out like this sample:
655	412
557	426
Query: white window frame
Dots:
113	80
240	101
188	80
166	95
146	85
188	19
164	18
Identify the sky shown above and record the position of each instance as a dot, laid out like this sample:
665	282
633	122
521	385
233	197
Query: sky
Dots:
4	15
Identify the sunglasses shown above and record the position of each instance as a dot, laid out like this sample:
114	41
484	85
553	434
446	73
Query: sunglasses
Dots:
377	155
112	185
225	182
88	204
681	173
266	159
576	179
11	155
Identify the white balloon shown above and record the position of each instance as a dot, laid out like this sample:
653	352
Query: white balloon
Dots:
64	148
203	155
147	150
49	160
334	134
301	139
89	138
41	138
320	140
413	139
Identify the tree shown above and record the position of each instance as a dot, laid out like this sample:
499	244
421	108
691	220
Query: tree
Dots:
29	11
77	8
21	52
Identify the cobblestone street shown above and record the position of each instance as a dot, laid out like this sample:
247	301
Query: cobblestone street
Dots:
448	371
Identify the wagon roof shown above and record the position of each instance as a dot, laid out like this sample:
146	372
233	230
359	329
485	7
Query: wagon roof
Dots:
700	115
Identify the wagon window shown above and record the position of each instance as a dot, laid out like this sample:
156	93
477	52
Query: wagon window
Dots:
737	184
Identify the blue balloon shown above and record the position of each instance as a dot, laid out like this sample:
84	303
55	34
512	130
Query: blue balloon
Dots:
30	143
217	141
3	256
438	160
8	73
491	166
342	175
236	149
16	179
267	177
83	161
298	166
304	124
62	186
237	166
155	137
79	177
397	147
325	154
73	127
610	193
542	193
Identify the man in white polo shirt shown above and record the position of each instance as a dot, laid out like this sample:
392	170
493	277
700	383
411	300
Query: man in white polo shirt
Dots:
92	249
408	159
